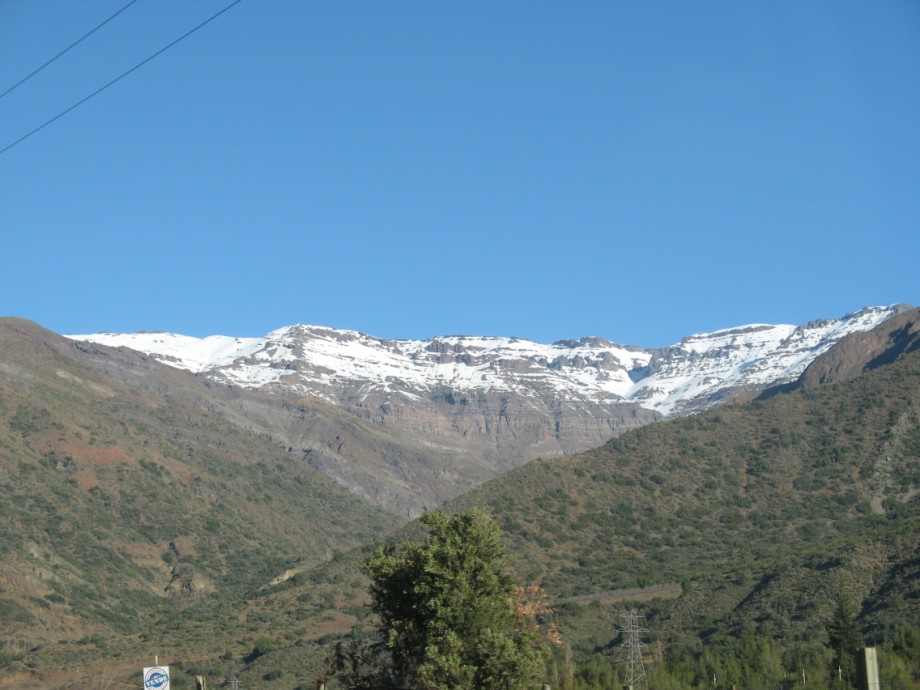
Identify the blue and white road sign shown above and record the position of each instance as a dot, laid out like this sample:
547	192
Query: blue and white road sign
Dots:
156	678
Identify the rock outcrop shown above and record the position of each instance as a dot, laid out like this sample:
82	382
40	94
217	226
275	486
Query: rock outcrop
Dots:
864	350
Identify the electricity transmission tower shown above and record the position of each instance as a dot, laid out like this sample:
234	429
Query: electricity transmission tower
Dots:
635	669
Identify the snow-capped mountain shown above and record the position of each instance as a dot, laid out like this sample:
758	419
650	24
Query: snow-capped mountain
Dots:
508	399
340	366
705	369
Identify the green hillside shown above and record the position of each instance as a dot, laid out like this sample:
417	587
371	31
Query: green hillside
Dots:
129	512
136	522
761	512
733	532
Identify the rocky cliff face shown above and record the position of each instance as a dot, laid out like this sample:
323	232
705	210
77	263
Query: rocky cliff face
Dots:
503	400
505	429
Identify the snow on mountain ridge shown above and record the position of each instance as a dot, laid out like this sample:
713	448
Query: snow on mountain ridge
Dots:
337	365
705	368
181	351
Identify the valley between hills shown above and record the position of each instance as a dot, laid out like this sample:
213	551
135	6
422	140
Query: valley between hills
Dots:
150	507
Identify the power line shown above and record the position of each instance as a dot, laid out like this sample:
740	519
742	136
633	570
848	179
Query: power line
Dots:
79	40
119	77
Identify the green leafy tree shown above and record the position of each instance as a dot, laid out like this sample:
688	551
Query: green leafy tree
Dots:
760	660
845	637
450	615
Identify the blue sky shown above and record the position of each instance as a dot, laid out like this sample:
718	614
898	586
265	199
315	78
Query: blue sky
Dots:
546	170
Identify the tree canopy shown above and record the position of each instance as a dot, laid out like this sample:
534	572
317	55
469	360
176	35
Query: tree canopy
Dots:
450	615
845	636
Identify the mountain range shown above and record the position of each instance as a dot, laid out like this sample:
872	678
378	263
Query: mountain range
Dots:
497	402
743	522
149	506
347	368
